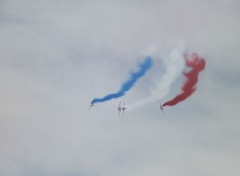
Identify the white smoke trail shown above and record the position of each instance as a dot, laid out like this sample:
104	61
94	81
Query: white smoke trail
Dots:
174	64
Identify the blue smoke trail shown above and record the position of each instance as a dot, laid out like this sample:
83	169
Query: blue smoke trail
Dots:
126	86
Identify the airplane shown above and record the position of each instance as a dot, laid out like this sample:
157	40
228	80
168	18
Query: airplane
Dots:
91	105
161	106
123	108
119	108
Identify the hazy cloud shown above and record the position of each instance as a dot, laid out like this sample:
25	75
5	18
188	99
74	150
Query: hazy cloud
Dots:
55	56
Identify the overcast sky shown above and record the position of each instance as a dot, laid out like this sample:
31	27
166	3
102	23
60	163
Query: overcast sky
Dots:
57	55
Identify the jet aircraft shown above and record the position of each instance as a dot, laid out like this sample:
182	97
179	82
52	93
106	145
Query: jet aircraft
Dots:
119	108
123	108
161	106
91	105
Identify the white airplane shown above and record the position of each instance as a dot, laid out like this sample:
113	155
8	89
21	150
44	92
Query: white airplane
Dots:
119	108
123	108
161	106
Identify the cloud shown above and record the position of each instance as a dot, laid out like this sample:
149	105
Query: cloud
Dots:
56	55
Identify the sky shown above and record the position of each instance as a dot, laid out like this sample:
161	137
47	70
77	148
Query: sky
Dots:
57	55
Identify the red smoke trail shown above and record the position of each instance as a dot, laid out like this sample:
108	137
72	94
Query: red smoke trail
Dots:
196	64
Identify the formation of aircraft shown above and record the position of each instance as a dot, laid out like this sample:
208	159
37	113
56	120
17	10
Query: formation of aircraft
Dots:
122	109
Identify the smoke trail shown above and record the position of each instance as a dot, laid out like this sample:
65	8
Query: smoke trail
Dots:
196	64
174	64
126	86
